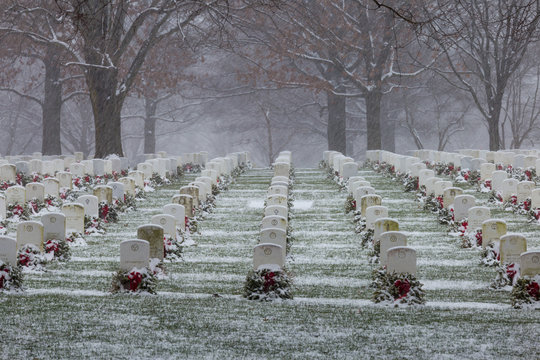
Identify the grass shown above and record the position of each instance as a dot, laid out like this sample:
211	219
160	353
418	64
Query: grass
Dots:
67	311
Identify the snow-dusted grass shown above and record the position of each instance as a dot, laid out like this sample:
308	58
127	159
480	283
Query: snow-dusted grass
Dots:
67	312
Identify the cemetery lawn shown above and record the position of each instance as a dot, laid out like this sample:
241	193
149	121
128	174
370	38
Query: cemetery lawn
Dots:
199	311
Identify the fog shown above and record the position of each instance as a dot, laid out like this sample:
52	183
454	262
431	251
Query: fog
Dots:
103	77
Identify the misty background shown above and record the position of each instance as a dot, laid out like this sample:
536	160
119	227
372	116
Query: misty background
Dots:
265	76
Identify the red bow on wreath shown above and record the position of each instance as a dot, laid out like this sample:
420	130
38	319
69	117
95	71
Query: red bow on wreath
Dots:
403	287
269	280
534	290
135	279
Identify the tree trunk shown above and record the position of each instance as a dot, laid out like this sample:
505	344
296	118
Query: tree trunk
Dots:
106	106
373	120
337	123
52	104
388	138
150	107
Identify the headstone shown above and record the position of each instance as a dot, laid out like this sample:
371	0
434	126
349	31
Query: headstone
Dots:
276	200
361	191
117	190
492	230
274	236
282	169
462	204
274	221
129	185
74	213
8	250
529	263
423	175
3	207
476	216
54	226
23	167
511	246
65	179
373	213
15	195
278	190
134	254
535	199
486	171
350	169
450	194
52	187
389	240
8	173
167	222
90	204
278	210
268	256
147	169
367	201
179	213
497	178
104	193
36	166
429	183
193	191
440	186
98	167
88	167
401	260
154	235
30	232
353	185
509	188
186	201
79	156
139	178
35	190
384	225
524	190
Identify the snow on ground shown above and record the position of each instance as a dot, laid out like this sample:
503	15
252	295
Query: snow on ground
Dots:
199	311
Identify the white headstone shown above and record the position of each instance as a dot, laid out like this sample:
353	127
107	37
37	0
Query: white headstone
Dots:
117	190
268	256
52	187
274	221
90	204
134	254
476	216
401	260
35	191
389	240
167	222
529	263
8	250
54	226
30	232
492	230
15	195
462	204
74	217
511	246
373	213
179	213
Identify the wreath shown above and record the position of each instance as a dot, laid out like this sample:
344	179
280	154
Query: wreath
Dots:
16	212
507	273
367	237
107	213
472	239
268	284
135	281
56	249
76	238
172	249
350	204
411	184
11	277
526	292
396	289
490	255
29	256
93	225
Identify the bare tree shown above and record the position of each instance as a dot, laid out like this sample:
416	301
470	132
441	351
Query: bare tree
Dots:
484	42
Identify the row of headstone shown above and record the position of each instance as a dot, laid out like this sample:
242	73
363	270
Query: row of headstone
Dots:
394	253
73	164
51	226
272	248
511	247
345	166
